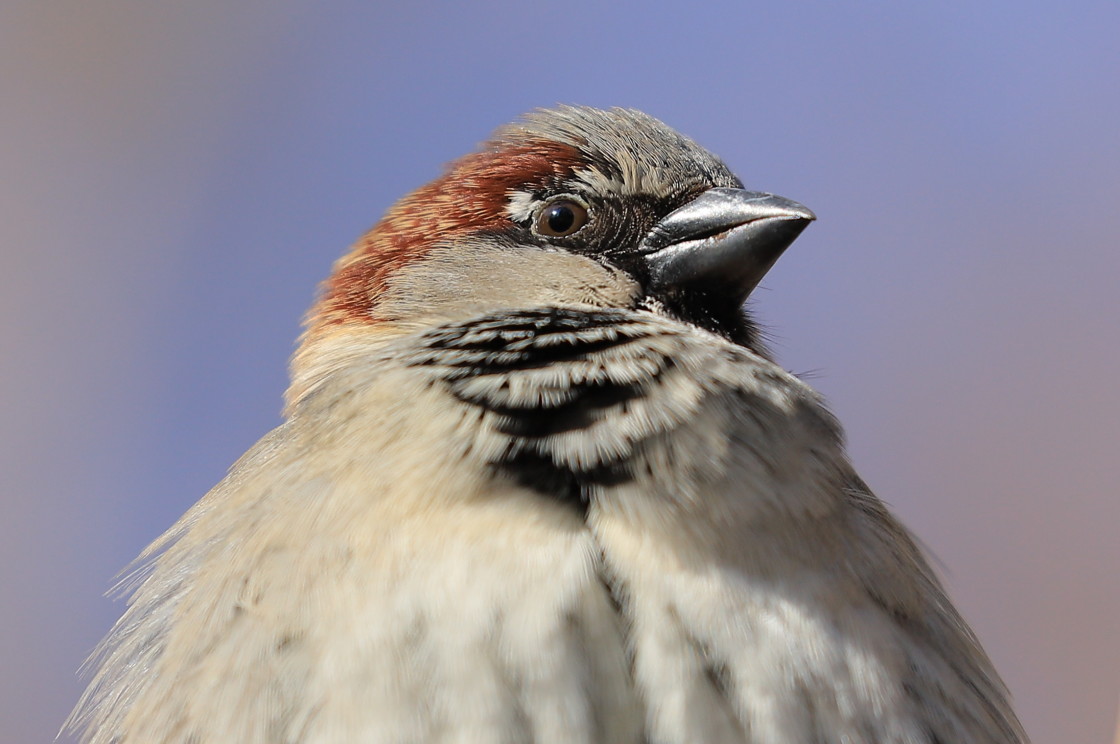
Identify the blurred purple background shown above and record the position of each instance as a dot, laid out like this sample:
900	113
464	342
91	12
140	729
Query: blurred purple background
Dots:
178	177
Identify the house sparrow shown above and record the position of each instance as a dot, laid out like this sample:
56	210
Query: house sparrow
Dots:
540	482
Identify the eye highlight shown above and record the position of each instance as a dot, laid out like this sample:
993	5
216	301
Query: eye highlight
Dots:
560	218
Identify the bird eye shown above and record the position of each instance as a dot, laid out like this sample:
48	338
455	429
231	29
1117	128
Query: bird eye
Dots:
560	218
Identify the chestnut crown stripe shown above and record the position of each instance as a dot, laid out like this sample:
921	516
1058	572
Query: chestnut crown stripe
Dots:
471	196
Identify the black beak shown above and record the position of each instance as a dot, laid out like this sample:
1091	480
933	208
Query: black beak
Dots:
723	242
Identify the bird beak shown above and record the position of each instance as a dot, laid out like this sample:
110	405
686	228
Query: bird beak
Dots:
724	241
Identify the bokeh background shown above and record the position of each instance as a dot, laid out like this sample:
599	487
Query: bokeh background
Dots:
175	178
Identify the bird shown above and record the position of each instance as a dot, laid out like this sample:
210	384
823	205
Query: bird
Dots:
540	480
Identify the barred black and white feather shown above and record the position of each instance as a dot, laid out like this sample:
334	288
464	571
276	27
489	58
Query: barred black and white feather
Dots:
521	498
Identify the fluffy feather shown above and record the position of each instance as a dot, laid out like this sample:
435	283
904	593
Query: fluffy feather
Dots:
516	501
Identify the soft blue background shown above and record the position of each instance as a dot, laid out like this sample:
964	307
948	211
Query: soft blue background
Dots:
177	177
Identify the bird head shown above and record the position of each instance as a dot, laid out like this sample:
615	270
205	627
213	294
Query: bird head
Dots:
570	206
